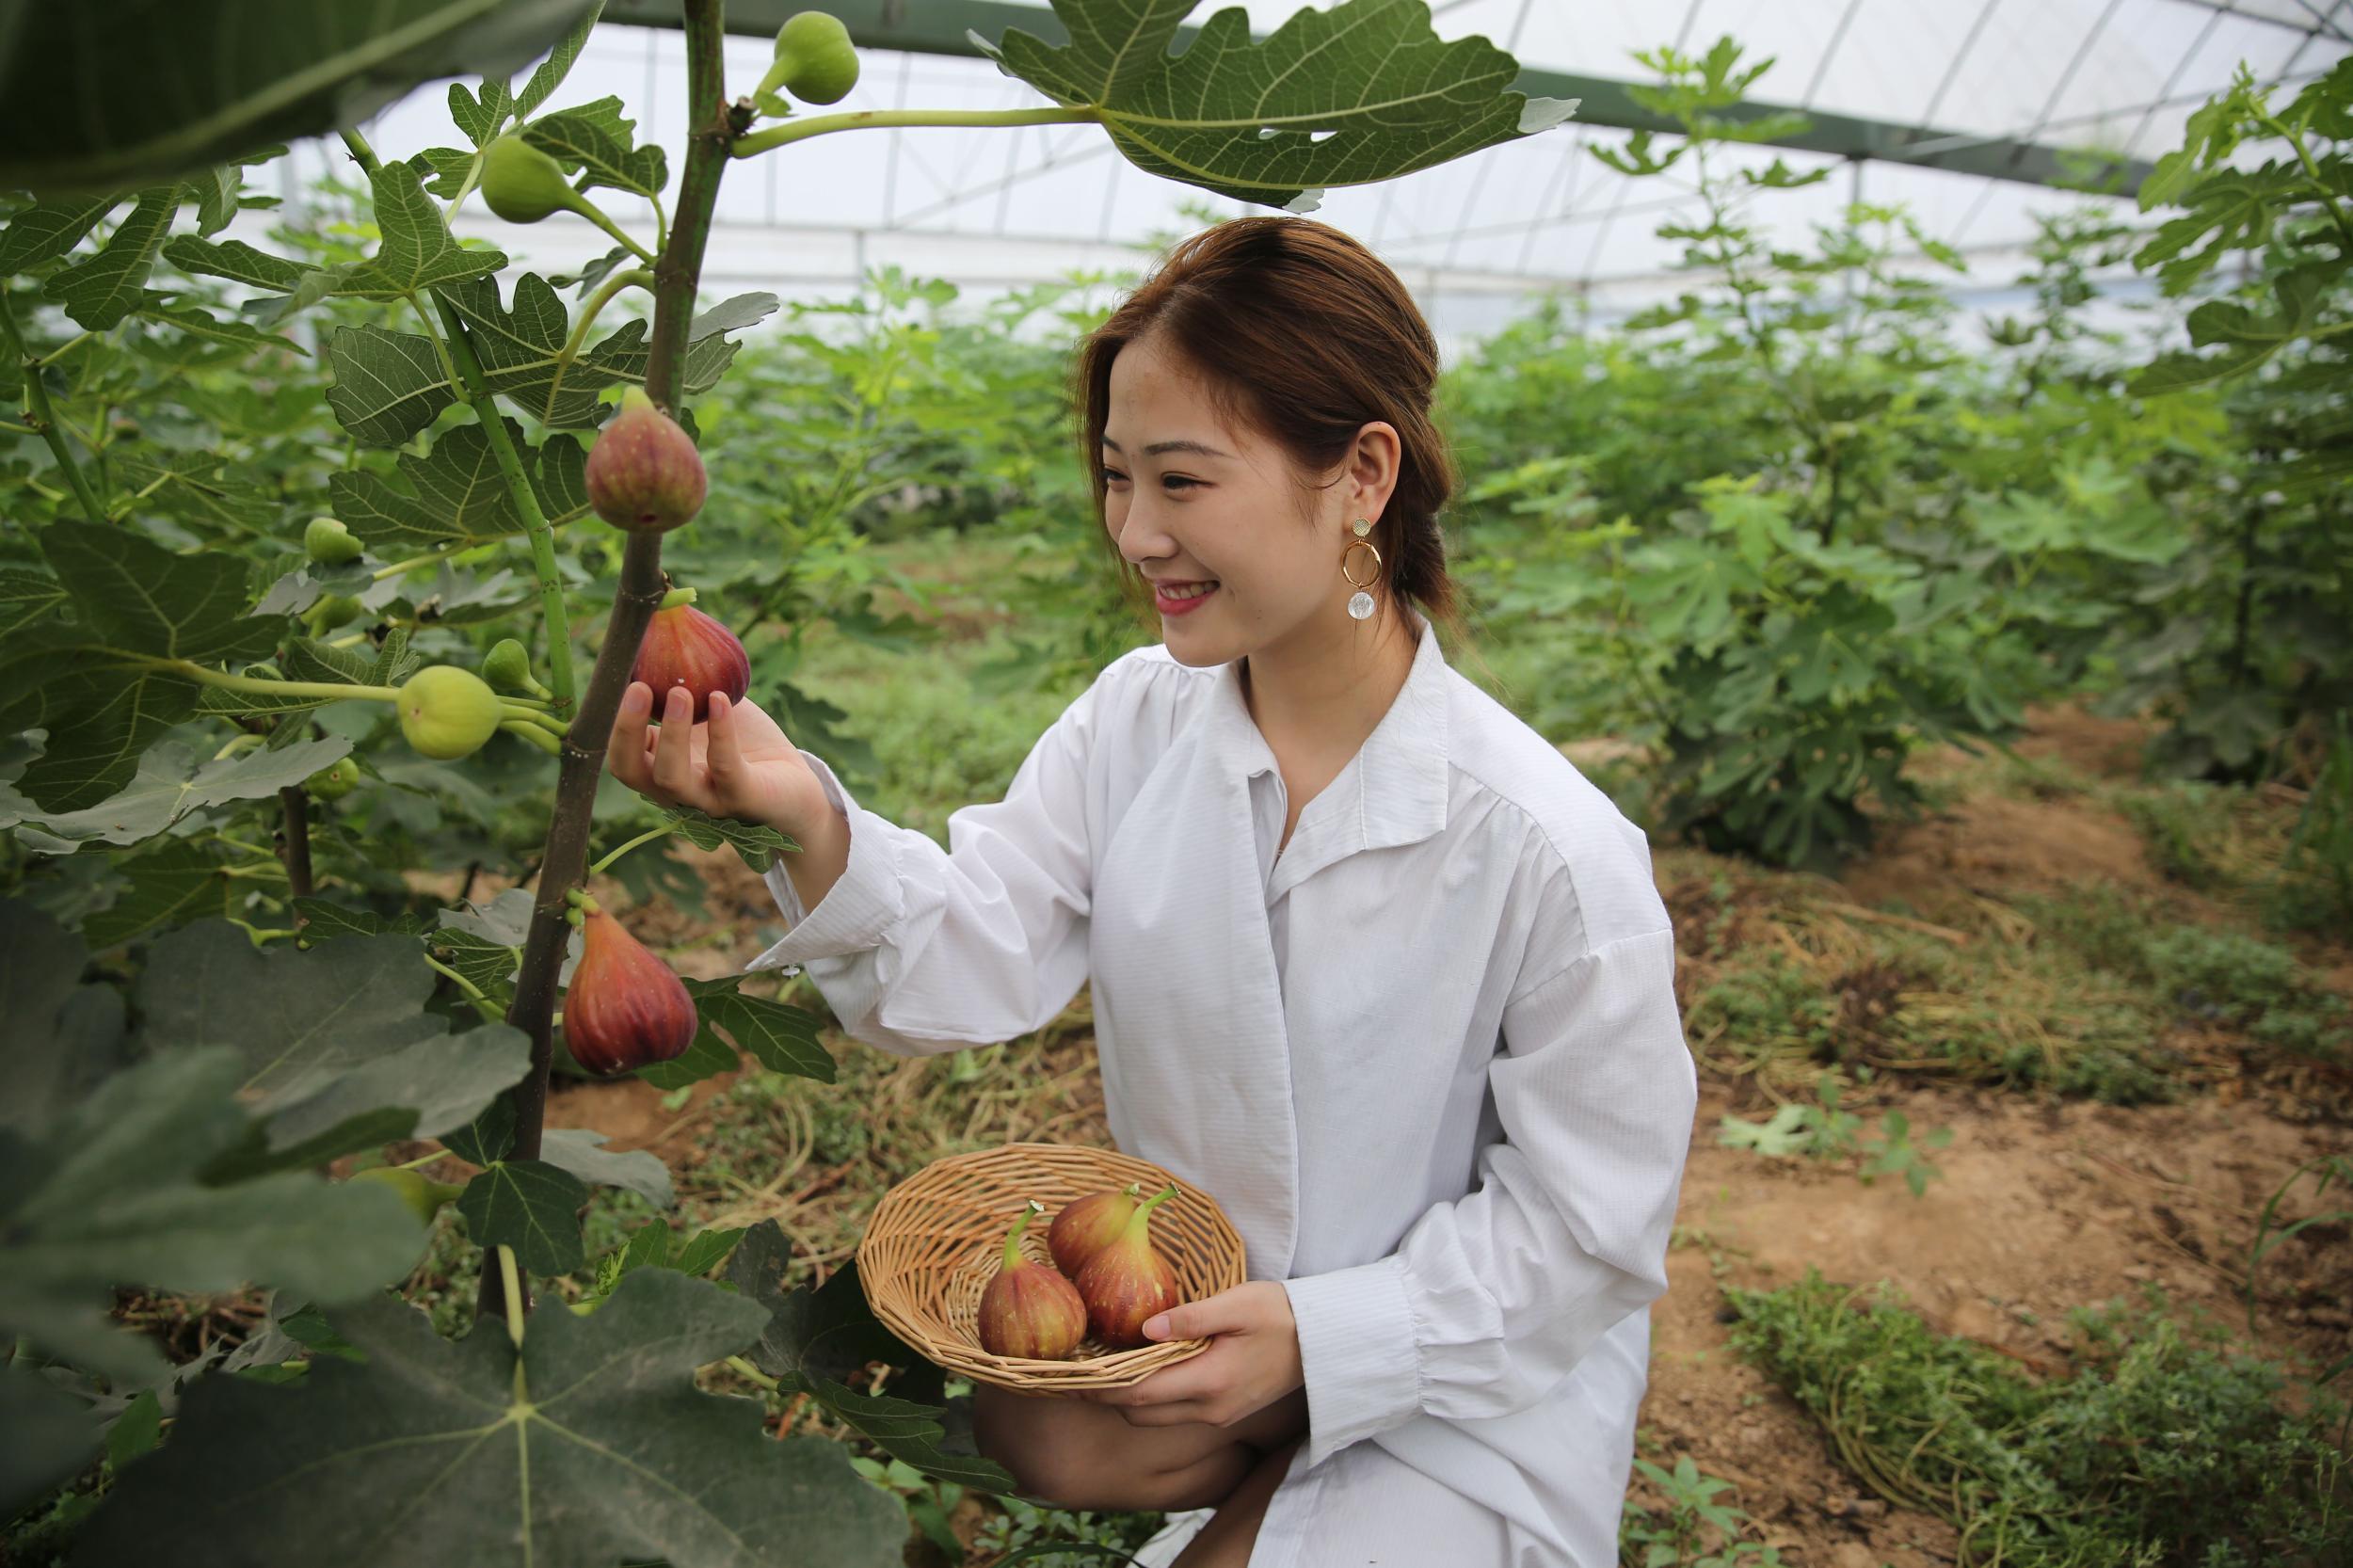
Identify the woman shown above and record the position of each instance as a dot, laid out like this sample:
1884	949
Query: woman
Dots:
1372	961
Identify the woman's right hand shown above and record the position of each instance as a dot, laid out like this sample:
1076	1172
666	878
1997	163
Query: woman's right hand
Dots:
737	763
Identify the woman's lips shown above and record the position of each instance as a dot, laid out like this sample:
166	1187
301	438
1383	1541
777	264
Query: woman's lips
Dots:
1184	606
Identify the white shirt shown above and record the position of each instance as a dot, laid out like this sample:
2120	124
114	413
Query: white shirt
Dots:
1428	1059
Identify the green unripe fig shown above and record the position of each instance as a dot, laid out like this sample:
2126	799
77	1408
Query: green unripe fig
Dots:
424	1195
644	474
508	666
523	184
333	611
815	60
327	541
447	713
334	781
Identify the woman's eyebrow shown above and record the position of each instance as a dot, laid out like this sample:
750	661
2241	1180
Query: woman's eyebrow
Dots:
1159	447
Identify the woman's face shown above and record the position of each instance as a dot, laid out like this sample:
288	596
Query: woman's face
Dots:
1193	504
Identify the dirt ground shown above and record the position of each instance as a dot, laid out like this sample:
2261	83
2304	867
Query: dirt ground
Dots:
2041	1207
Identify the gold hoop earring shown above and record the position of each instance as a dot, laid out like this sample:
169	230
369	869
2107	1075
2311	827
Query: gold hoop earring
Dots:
1360	602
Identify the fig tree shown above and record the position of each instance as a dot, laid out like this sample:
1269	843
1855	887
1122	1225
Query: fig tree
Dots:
685	647
625	1009
644	474
327	541
447	713
815	60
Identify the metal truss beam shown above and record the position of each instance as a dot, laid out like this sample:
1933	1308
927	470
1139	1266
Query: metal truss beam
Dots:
941	28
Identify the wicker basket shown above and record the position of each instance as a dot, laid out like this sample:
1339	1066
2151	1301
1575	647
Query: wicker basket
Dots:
937	1240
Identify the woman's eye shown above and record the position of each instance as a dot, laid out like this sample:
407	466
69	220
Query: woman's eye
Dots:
1112	476
1174	479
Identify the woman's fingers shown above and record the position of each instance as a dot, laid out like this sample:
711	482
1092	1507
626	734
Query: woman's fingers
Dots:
674	756
724	751
626	754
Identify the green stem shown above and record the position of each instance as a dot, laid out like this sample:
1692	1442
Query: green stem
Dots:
331	692
484	1005
637	277
60	352
530	734
526	500
459	348
661	832
798	130
44	418
595	215
2320	187
754	1373
511	1282
425	319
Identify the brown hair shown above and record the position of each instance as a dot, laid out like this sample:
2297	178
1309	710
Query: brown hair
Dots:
1304	335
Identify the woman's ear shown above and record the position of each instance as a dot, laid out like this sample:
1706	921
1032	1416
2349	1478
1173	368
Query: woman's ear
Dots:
1374	467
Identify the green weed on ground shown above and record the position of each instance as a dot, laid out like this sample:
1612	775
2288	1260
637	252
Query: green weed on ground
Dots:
2160	1448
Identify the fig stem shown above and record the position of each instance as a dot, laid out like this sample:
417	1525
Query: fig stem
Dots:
1139	1224
797	130
595	215
332	692
639	277
1012	1237
482	1004
755	1374
661	832
44	418
533	735
514	1290
675	598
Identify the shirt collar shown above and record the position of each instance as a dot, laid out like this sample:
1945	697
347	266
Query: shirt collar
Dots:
1393	791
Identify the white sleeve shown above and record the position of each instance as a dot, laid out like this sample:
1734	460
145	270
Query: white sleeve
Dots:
920	949
1489	1301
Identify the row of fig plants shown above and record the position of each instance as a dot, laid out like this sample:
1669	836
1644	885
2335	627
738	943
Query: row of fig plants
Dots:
1793	523
209	644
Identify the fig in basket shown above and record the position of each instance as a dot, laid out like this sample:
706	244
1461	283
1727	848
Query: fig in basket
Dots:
1086	1225
1028	1309
1127	1282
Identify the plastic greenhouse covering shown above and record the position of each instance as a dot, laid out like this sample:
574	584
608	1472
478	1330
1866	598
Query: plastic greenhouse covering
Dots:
991	209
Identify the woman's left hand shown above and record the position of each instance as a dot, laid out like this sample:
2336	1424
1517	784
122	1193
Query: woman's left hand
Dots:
1251	1361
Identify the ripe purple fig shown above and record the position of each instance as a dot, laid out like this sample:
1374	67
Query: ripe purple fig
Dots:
1086	1225
625	1009
1125	1283
644	473
1028	1309
685	647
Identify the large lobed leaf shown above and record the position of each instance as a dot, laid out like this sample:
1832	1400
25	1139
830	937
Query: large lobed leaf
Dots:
335	1042
1362	93
104	96
589	1446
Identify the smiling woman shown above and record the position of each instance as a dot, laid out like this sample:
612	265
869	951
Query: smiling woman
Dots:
1372	963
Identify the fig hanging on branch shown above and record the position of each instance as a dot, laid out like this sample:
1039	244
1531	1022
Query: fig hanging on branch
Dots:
644	474
685	647
447	713
815	60
335	780
327	541
625	1009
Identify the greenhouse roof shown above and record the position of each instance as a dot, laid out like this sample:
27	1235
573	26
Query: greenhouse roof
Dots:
1960	110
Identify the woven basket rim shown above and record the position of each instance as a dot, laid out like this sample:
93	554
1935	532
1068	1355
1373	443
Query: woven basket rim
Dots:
916	1268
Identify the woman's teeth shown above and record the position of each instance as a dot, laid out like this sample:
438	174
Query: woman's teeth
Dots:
1192	590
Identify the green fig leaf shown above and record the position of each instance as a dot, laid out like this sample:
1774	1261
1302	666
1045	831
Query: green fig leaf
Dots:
582	1151
783	1037
418	251
67	1038
235	260
558	65
594	142
530	1206
588	1446
51	1435
26	597
112	1197
817	1339
388	385
456	494
99	99
171	782
757	846
47	230
328	1036
1364	92
101	289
